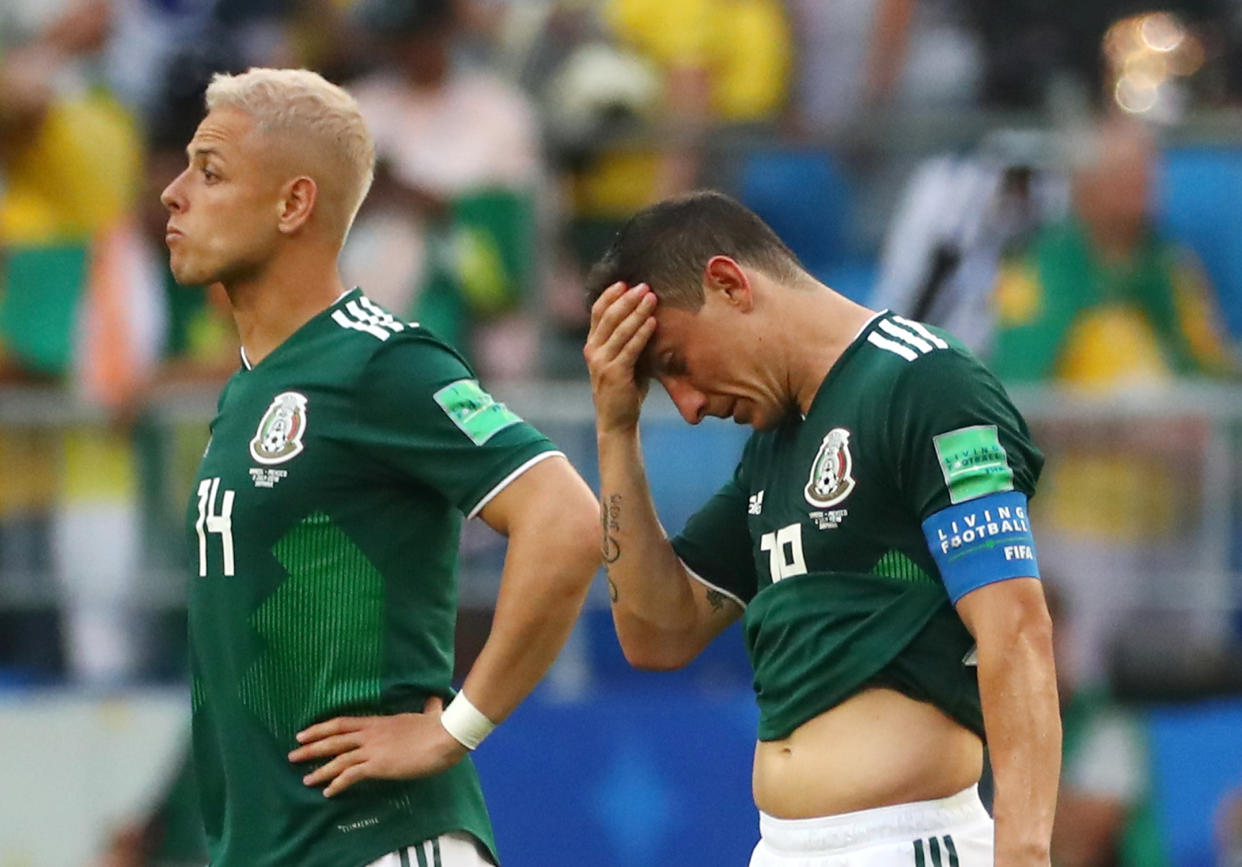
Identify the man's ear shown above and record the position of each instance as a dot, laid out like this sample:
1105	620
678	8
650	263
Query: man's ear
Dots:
723	275
297	204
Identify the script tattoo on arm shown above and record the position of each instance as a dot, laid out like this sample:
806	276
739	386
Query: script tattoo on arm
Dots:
609	513
716	599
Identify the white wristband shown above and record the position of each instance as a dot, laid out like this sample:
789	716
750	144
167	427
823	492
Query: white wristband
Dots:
465	722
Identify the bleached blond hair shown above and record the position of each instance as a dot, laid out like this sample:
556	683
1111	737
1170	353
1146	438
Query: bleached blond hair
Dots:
302	104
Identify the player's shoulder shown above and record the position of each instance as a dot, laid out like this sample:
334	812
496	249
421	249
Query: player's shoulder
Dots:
363	324
380	340
903	354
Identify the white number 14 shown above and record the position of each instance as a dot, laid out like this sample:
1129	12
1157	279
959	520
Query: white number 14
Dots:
214	522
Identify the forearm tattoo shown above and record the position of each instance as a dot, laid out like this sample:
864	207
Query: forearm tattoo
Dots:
609	513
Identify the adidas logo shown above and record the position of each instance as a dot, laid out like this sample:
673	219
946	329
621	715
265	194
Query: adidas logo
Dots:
755	504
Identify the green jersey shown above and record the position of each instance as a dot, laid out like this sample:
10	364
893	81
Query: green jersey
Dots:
822	533
324	526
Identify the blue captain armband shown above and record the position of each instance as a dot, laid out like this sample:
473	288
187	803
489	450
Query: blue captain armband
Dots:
982	541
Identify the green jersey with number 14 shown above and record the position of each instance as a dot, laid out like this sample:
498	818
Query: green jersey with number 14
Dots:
819	533
324	528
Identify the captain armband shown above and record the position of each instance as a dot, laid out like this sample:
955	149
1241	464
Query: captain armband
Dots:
982	541
465	722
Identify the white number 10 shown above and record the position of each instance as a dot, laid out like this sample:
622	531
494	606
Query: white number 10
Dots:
213	522
786	539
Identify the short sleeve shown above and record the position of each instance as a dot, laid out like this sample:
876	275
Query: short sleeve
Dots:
715	544
422	413
956	435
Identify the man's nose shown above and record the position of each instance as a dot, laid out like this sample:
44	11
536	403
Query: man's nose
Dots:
690	402
171	197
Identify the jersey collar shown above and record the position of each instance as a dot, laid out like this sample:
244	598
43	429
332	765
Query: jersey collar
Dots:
242	350
855	341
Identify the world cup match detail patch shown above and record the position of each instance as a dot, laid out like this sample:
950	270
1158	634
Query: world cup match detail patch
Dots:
474	411
973	462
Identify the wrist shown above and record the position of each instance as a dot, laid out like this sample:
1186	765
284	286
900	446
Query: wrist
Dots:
466	723
616	431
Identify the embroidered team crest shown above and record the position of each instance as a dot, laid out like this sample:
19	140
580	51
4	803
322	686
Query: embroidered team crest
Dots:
830	481
279	437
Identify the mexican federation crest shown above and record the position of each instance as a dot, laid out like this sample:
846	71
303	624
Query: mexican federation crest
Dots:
830	480
279	437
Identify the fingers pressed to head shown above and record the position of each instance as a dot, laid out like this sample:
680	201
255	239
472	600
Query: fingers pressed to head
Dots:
605	298
632	313
617	308
633	348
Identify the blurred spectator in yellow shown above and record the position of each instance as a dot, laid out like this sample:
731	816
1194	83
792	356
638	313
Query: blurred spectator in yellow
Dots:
1100	301
1104	811
449	232
59	211
719	62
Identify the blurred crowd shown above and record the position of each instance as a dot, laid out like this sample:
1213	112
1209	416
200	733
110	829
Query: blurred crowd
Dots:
514	136
878	137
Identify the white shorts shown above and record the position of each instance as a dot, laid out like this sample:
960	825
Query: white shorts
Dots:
950	832
455	849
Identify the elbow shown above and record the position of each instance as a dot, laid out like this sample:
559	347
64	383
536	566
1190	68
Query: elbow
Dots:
647	661
644	660
646	649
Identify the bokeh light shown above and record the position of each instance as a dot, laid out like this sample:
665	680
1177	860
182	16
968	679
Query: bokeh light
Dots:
1146	54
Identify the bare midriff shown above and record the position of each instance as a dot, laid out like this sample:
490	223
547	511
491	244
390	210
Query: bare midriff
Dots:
876	749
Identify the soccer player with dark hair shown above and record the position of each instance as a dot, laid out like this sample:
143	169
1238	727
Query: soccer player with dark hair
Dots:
325	518
874	539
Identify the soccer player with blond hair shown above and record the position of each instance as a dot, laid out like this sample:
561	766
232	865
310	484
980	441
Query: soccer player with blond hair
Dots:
326	513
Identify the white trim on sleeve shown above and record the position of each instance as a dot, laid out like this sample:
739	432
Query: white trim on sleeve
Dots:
697	577
487	498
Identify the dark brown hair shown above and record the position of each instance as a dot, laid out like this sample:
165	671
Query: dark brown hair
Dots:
667	245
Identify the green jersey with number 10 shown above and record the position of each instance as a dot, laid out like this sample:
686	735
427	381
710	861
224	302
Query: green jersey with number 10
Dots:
324	528
819	534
